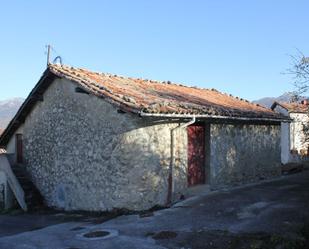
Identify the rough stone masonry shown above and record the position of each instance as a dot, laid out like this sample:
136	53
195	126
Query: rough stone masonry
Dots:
244	153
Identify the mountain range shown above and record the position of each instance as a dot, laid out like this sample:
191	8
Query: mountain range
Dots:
268	101
8	109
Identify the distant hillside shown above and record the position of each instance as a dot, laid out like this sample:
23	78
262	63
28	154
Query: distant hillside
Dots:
268	101
8	109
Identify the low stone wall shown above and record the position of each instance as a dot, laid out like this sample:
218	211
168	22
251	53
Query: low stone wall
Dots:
243	153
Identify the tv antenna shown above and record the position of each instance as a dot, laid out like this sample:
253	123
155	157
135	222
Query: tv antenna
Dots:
57	58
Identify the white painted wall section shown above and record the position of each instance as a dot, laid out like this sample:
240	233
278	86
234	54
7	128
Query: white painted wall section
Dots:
285	143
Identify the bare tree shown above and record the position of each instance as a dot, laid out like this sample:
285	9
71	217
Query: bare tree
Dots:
300	72
294	96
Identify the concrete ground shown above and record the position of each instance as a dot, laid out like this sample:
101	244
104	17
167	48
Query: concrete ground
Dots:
272	214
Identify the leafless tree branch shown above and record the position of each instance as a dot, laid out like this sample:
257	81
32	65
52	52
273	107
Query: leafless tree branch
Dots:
300	70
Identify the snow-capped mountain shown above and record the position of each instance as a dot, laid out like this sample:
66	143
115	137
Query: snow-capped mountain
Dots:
8	109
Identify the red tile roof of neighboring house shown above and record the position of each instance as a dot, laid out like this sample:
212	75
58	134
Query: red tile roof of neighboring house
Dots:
292	107
149	97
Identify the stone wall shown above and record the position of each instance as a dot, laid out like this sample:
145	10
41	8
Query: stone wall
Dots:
243	153
84	155
298	141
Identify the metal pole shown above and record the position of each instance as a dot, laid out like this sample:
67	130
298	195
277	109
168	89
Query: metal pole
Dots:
48	54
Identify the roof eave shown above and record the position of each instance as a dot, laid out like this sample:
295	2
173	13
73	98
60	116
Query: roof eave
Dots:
207	116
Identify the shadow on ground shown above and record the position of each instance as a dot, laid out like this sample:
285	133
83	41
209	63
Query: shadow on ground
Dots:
217	239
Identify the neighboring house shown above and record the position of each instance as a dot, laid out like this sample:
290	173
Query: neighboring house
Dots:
95	141
293	143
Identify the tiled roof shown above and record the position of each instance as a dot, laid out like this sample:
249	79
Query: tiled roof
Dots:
292	107
149	97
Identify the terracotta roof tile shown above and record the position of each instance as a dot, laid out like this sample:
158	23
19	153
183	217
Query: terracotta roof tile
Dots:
149	96
293	107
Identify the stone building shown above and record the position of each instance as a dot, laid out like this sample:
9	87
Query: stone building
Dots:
95	141
294	146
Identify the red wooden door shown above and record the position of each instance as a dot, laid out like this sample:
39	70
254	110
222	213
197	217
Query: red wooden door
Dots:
196	154
19	148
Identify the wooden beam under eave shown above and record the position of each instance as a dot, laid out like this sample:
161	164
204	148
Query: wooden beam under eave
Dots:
19	122
37	97
81	90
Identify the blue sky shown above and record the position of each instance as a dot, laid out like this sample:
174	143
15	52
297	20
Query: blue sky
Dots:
239	47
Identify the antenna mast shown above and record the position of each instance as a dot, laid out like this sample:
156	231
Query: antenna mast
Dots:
48	54
49	50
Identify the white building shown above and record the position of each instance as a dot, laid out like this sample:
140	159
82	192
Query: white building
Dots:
294	146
